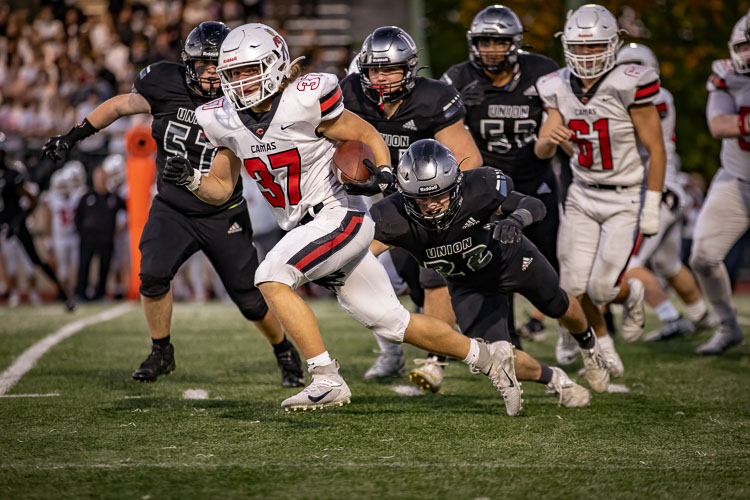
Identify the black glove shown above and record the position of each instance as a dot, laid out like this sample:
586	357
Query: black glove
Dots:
381	178
472	94
335	279
56	146
509	230
177	170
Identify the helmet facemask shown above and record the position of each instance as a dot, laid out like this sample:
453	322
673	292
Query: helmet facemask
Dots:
197	81
239	91
509	57
590	25
388	47
591	65
439	221
202	44
739	45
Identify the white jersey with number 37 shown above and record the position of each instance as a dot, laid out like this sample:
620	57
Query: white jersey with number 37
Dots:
605	138
281	150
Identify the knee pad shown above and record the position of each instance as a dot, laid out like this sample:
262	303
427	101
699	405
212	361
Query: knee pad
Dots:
558	306
601	293
253	306
154	286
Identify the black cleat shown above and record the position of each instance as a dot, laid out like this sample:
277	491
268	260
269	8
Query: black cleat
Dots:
291	368
159	362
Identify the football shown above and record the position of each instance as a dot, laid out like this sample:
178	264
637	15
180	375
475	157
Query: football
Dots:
348	160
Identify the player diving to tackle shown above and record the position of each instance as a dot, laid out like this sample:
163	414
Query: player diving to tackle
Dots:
282	128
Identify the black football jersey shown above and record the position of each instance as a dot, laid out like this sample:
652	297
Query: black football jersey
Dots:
428	108
176	132
10	181
465	253
506	125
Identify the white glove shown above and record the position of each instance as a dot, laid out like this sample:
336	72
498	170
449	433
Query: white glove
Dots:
649	221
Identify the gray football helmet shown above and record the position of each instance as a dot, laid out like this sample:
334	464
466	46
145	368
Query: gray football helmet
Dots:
388	46
425	170
495	21
635	53
739	45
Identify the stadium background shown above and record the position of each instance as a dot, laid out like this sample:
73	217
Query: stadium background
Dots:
58	60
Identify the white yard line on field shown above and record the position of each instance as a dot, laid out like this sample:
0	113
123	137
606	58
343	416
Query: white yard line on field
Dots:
30	356
743	320
48	395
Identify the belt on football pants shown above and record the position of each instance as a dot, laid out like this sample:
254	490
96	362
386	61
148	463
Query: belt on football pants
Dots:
610	187
311	213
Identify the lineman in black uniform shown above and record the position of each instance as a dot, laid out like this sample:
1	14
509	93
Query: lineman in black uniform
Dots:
405	108
179	224
13	221
444	218
504	114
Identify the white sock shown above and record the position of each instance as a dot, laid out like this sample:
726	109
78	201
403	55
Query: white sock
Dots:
388	347
666	311
696	310
319	360
473	355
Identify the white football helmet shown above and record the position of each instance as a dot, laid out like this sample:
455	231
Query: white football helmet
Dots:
635	53
253	44
77	173
739	45
114	167
590	24
62	181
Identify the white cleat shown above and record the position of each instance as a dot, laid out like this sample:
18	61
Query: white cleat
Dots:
387	365
596	371
633	312
429	375
614	363
502	373
327	389
566	350
570	394
708	321
728	335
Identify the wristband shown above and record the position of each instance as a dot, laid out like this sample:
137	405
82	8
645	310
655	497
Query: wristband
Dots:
196	182
743	124
82	130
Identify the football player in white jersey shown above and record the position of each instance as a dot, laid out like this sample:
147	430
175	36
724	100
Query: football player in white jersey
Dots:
282	129
661	252
61	201
602	109
725	214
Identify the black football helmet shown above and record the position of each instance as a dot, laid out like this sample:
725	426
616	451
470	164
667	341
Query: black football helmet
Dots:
202	44
388	46
429	169
500	22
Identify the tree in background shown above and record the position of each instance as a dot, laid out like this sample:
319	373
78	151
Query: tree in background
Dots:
685	35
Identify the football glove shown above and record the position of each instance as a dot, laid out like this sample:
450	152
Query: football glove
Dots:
333	280
177	170
648	224
509	230
472	95
56	146
381	178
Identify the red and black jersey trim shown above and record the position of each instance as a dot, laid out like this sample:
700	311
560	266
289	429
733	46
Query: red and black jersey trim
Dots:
645	92
719	83
330	102
323	248
662	109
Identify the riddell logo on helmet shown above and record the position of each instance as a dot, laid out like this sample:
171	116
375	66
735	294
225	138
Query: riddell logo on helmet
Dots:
230	59
427	189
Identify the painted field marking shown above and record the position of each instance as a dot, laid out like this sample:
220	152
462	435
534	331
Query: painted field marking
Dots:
30	356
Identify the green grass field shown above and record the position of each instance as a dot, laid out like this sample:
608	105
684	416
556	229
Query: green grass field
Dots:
683	430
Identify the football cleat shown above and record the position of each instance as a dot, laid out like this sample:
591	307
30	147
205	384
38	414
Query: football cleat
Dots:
387	365
428	376
614	363
291	368
569	393
159	362
596	371
327	389
728	334
533	330
566	351
633	313
679	327
502	373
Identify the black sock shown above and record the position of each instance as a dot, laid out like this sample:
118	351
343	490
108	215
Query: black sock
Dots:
546	376
161	342
586	339
282	346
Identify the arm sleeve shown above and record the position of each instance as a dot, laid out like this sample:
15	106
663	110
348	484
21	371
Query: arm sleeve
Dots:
528	208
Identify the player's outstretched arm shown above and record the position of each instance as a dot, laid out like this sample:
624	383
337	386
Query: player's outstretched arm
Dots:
552	134
214	187
103	116
456	138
